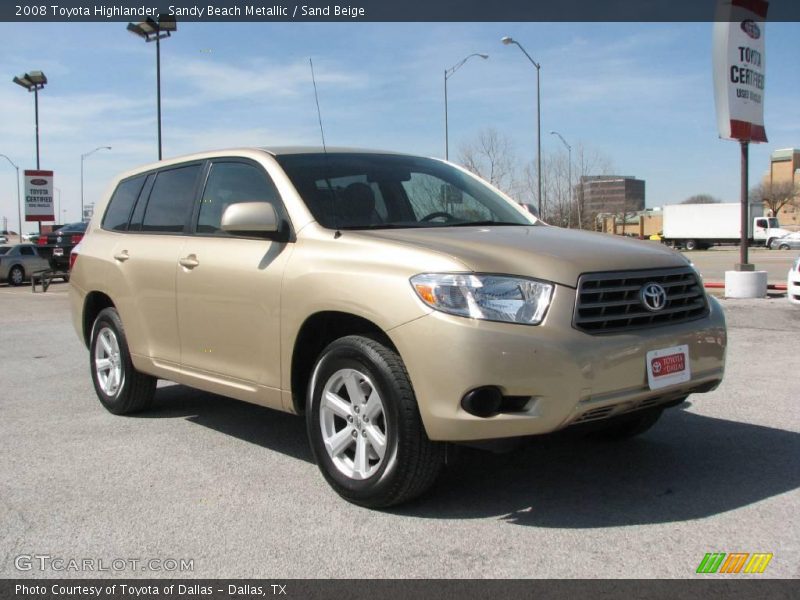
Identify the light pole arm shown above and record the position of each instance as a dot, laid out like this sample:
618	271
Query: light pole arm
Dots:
448	73
525	52
563	141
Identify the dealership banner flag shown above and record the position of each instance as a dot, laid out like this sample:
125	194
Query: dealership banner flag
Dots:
739	69
39	196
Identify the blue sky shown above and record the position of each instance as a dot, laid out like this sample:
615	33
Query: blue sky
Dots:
641	94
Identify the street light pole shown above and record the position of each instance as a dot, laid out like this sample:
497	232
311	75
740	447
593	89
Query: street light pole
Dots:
448	73
33	82
151	30
569	176
508	40
36	113
83	157
158	90
59	202
19	210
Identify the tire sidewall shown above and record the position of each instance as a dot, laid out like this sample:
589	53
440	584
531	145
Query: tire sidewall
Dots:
16	269
108	318
346	355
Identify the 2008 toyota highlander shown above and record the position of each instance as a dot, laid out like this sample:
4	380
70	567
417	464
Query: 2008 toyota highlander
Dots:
398	302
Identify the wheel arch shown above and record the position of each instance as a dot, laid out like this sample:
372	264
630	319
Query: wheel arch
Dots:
316	332
92	305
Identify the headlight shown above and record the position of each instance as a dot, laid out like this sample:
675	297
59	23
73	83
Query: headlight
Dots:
488	297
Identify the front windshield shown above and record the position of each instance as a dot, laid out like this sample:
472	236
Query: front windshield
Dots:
381	191
4	249
773	223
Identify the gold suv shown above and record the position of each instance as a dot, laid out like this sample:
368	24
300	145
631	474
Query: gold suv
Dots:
398	302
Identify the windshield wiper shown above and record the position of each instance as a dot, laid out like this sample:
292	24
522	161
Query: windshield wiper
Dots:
478	223
377	226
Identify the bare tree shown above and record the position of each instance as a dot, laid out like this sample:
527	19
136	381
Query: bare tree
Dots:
702	199
776	195
491	156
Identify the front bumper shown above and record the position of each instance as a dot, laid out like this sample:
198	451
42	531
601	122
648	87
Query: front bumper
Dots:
569	375
793	287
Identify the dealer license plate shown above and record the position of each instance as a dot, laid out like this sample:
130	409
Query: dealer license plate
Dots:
668	366
58	252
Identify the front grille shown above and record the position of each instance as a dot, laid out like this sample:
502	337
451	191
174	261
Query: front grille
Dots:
611	302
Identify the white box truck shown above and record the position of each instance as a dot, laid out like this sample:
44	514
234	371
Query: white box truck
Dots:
700	226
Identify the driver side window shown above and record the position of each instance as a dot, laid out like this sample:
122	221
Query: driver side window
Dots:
230	183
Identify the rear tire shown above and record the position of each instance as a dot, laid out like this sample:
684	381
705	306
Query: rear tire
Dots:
627	426
691	245
784	247
120	387
364	425
16	276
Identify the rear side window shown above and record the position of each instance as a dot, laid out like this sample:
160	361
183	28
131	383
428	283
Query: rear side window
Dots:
27	251
231	183
119	209
171	200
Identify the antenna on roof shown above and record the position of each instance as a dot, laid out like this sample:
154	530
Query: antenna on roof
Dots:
325	151
319	112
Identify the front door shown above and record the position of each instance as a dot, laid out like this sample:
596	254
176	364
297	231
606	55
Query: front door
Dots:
228	287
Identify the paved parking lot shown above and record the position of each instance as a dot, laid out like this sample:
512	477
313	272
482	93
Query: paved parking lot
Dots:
232	486
713	263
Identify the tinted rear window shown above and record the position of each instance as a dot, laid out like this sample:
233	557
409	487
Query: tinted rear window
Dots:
171	200
121	205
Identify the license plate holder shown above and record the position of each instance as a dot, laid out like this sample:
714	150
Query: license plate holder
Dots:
58	252
668	366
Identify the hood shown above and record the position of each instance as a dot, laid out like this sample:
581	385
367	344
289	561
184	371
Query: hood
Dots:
543	252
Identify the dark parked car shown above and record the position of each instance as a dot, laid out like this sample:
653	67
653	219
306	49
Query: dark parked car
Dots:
57	245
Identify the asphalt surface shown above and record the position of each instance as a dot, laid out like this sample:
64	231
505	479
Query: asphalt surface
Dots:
713	263
232	486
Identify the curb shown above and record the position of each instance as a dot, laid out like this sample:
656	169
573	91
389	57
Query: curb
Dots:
713	285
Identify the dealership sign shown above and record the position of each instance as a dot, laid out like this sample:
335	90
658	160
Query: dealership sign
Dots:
39	196
739	69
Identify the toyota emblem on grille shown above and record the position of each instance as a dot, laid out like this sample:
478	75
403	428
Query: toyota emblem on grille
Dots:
653	297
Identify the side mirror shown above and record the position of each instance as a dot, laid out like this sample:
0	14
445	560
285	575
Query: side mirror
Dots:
250	218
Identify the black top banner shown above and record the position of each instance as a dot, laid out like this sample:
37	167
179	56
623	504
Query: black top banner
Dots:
383	10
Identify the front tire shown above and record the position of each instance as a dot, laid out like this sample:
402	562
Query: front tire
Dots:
119	386
784	247
16	276
364	425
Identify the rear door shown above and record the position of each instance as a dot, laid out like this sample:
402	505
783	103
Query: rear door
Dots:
146	256
228	287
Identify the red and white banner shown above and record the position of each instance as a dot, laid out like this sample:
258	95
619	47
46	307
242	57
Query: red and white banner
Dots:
39	196
739	69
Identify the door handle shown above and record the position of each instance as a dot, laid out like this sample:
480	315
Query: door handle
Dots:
121	256
190	262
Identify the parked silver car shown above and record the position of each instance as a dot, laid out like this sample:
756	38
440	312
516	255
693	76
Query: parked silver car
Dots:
787	242
19	261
